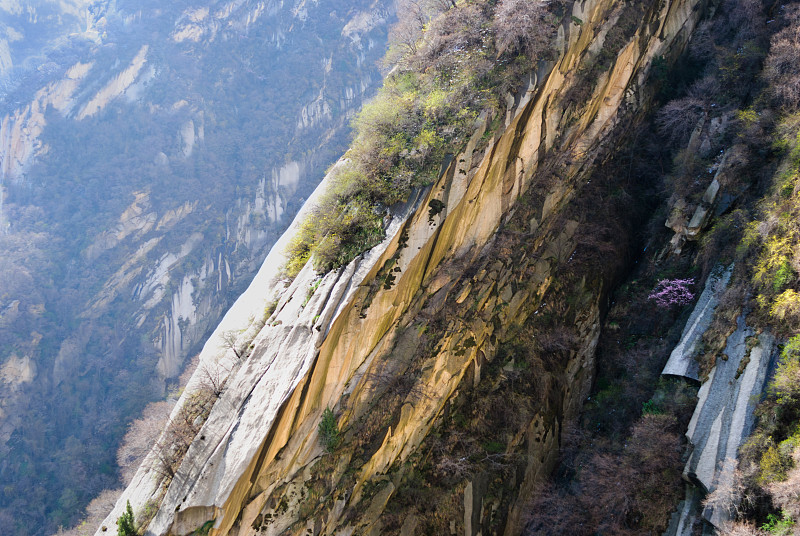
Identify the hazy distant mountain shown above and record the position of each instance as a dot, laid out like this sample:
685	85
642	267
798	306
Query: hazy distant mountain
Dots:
150	153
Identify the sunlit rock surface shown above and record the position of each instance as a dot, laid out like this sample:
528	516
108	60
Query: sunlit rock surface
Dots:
324	349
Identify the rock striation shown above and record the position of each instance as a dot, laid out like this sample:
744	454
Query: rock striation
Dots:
683	361
329	341
724	415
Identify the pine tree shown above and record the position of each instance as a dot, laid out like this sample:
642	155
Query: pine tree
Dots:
125	522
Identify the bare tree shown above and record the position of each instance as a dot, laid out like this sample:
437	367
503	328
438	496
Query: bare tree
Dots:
213	378
523	26
728	493
677	119
786	494
172	445
413	16
140	438
781	68
230	340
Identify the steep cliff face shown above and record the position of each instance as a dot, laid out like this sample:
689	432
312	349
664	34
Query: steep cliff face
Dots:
399	342
724	416
144	174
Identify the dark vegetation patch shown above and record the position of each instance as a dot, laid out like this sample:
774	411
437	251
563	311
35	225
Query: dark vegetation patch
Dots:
480	436
630	431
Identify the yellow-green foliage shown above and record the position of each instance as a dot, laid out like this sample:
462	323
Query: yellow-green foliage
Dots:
776	236
772	466
747	116
785	386
778	434
779	526
424	110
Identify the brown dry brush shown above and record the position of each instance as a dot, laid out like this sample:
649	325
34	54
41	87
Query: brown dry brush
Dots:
141	436
781	69
174	442
732	487
786	494
628	490
741	528
526	27
95	514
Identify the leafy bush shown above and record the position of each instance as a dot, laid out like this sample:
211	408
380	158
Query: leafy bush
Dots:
125	522
649	407
785	386
329	435
786	306
205	529
772	466
779	526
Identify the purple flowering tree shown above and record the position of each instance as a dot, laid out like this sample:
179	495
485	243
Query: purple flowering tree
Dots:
669	292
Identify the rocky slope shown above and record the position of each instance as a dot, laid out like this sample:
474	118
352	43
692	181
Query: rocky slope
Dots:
398	341
143	177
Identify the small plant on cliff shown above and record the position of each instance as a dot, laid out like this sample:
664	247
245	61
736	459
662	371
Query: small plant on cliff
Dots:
669	292
779	525
329	431
125	522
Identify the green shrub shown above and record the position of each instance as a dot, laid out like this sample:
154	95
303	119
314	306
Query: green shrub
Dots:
125	522
148	512
329	435
779	526
785	386
205	529
773	466
782	276
649	407
494	447
791	350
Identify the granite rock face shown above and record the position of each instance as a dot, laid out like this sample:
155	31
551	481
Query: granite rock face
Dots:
251	464
683	359
724	415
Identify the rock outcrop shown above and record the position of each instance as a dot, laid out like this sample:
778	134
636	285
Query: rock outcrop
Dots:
20	131
332	343
724	415
116	86
683	361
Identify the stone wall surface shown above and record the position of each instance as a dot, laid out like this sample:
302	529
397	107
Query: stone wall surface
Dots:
327	341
